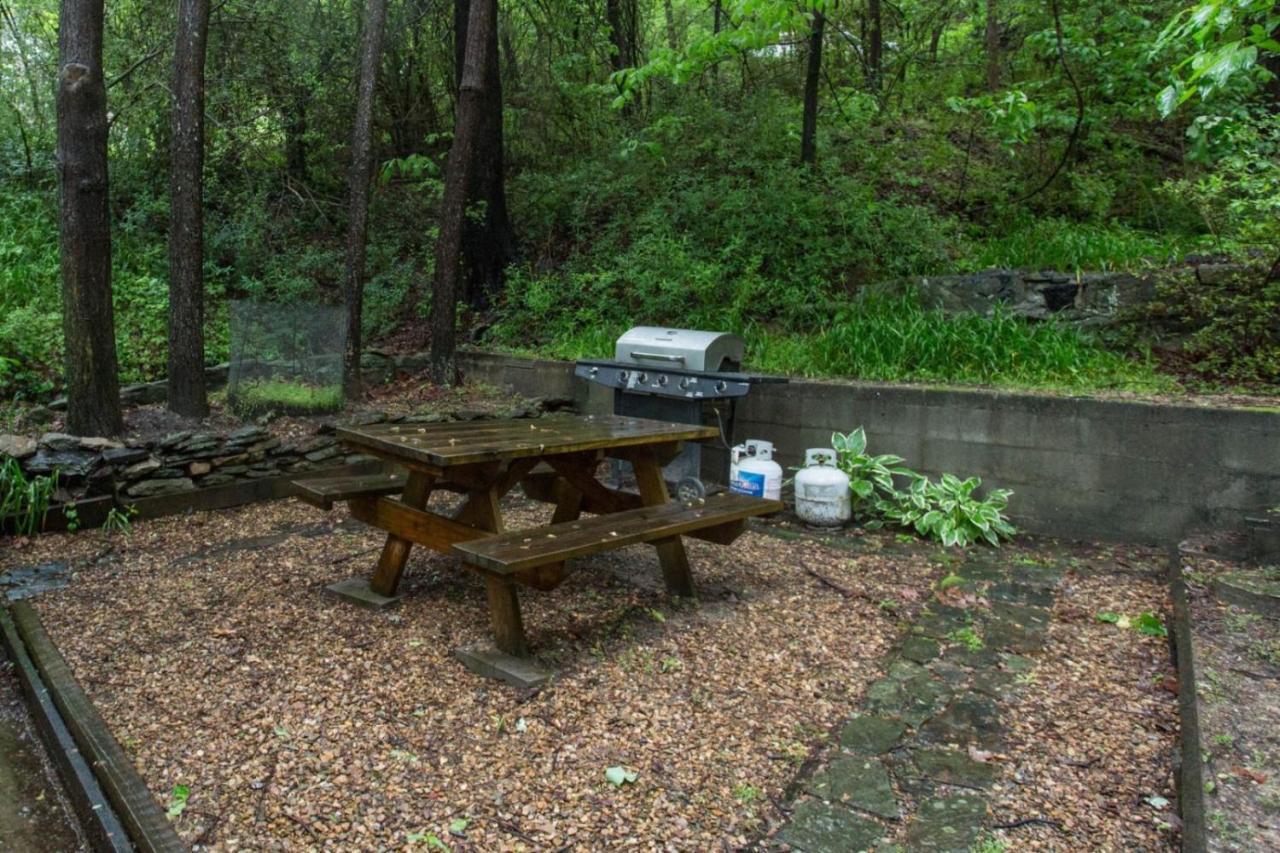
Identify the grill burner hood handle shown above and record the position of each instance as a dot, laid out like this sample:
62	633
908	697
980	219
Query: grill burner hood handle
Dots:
657	356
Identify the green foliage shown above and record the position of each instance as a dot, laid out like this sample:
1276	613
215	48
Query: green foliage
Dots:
120	520
947	511
283	397
24	502
870	477
967	637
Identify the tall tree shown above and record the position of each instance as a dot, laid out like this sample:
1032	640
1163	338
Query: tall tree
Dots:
992	47
358	191
488	241
187	393
813	72
88	323
875	44
624	32
468	126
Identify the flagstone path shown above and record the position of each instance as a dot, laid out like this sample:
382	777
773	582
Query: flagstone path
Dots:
909	772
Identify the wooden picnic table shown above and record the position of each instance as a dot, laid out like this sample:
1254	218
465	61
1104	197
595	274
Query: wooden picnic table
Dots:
556	459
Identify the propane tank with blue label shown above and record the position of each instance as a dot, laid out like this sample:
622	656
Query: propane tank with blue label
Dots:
756	473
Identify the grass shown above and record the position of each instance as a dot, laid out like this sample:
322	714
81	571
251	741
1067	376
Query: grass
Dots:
895	339
1061	244
281	397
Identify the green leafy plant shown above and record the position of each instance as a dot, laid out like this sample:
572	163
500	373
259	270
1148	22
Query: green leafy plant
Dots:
24	501
967	637
178	801
282	397
951	513
870	477
120	520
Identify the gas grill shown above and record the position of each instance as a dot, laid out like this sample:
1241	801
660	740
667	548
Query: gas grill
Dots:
679	375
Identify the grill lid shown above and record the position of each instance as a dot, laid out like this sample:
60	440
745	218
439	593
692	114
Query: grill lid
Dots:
659	346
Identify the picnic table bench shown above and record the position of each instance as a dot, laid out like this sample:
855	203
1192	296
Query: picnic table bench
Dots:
556	459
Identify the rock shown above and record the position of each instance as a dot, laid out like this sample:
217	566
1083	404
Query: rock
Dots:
152	488
38	416
871	735
247	434
953	767
326	453
17	446
319	442
98	444
236	459
59	441
198	469
124	455
946	823
970	719
368	418
173	439
216	480
72	464
169	473
816	826
264	445
141	469
859	782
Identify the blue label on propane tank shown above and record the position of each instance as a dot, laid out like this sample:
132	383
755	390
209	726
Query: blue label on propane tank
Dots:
748	483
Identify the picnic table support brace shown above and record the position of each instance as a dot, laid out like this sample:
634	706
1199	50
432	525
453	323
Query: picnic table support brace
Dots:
504	614
671	553
395	553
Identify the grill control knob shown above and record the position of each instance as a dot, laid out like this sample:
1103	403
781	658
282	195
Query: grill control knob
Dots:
661	380
622	375
642	378
686	383
721	386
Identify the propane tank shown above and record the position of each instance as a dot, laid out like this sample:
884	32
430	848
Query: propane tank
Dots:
758	475
822	490
736	454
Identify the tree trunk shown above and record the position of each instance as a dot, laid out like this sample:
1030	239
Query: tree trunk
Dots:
88	324
187	395
468	126
358	192
875	45
673	41
623	32
488	243
809	129
993	47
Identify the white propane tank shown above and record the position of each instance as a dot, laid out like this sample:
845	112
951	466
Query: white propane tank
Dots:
758	475
736	454
822	490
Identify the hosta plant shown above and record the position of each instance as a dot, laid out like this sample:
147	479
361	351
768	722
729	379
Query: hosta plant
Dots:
950	512
870	477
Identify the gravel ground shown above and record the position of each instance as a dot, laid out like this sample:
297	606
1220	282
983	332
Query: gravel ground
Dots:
298	721
1094	727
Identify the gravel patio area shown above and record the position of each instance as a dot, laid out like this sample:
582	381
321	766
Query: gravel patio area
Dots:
298	721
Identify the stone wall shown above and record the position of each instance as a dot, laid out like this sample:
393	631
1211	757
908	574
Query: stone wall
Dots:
1087	299
176	463
1085	468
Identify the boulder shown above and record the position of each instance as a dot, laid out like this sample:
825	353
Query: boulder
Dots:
124	455
152	488
59	441
17	446
138	470
72	464
98	444
197	469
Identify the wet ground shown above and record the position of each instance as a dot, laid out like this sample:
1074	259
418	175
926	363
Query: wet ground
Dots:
34	814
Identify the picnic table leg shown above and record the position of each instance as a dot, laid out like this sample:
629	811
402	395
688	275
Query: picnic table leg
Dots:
653	492
386	577
504	614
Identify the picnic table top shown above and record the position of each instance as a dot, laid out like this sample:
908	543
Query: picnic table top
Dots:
469	442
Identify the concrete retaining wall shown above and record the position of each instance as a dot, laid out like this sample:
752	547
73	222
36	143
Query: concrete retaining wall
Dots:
1082	468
